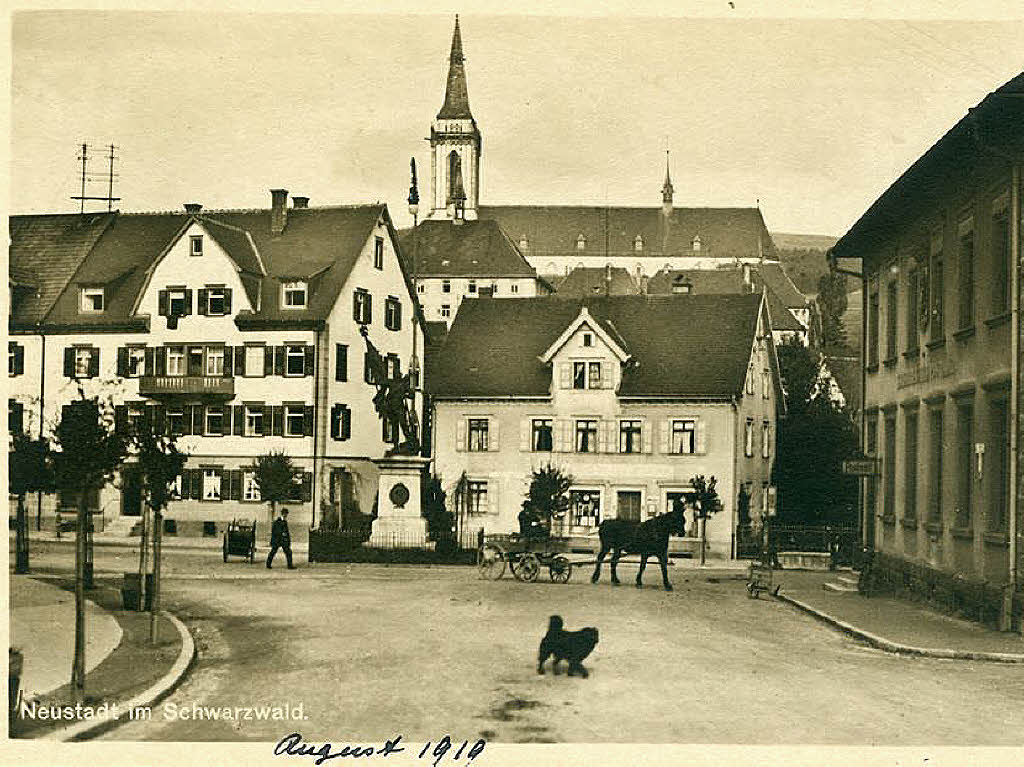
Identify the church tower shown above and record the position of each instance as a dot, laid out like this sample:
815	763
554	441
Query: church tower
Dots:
455	146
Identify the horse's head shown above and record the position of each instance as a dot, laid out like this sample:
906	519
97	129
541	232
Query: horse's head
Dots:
677	519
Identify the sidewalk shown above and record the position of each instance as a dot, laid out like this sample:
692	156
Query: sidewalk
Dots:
894	624
196	543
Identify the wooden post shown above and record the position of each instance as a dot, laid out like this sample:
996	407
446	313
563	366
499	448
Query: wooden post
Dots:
158	526
143	557
78	663
21	538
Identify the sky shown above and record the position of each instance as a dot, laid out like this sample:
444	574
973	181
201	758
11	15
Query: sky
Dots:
810	118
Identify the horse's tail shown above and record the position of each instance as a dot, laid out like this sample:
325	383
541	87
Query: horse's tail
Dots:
555	623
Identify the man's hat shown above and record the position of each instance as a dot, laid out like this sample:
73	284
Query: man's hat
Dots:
284	512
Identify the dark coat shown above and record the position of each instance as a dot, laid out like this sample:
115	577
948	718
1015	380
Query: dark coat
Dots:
279	535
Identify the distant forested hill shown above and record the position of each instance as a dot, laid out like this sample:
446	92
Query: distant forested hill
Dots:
803	258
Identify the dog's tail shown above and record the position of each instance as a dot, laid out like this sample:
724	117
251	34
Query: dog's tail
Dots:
555	623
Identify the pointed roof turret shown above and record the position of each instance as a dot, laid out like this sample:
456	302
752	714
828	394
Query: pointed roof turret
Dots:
456	95
666	189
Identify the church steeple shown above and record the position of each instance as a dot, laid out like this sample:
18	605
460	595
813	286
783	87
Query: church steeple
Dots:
455	145
666	189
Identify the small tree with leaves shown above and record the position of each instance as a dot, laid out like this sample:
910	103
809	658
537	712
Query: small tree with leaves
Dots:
30	470
89	450
548	496
274	474
706	504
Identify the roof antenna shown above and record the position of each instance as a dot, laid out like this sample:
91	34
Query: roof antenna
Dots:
88	178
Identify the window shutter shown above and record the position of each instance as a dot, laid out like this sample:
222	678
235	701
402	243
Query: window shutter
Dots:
122	362
121	418
277	415
279	355
229	359
355	306
163	303
227	300
647	436
266	422
492	496
161	361
340	362
603	442
197	419
159	419
236	484
69	362
525	434
369	308
188	302
307	420
336	422
565	375
268	360
613	437
308	369
666	436
607	381
94	362
204	302
398	316
238	426
19	360
346	422
225	423
460	434
239	360
493	435
197	483
307	486
701	436
149	362
367	368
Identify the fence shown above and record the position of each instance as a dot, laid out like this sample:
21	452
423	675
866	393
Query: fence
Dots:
406	547
842	541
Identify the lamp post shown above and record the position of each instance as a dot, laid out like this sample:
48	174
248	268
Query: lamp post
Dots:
414	209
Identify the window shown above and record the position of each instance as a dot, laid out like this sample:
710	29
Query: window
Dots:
294	420
136	415
766	383
211	484
586	436
84	362
750	378
874	315
696	243
362	307
1001	258
15	359
421	287
341	362
446	310
92	300
586	375
890	320
638	243
581	243
214	421
966	273
393	365
175	419
478	432
889	468
585	507
250	488
254	421
588	339
965	467
295	360
494	288
684	434
178	302
446	286
378	253
175	360
513	288
541	441
214	360
341	422
175	490
255	361
997	458
15	417
293	295
937	291
594	374
392	314
630	436
935	450
215	301
196	245
471	287
910	465
476	497
871	449
136	361
766	439
913	291
748	439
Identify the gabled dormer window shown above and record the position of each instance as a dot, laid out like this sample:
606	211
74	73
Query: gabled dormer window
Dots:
91	300
294	295
638	243
696	243
581	242
195	245
524	243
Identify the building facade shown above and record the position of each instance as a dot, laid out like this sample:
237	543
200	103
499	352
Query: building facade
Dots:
237	331
632	396
940	252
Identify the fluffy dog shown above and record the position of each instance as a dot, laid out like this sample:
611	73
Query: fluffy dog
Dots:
572	646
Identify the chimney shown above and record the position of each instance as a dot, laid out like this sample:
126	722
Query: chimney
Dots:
643	284
607	279
278	210
300	202
746	277
192	208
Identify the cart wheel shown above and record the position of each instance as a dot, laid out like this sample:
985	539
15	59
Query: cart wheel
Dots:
560	570
528	568
225	549
490	562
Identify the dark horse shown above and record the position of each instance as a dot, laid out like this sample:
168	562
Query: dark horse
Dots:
646	539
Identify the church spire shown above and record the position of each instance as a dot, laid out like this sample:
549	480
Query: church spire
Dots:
666	188
456	94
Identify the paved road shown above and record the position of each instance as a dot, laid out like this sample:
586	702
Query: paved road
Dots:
372	651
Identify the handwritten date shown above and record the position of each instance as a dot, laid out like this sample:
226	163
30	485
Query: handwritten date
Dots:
435	753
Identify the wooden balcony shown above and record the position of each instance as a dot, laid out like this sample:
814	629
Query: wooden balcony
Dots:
161	386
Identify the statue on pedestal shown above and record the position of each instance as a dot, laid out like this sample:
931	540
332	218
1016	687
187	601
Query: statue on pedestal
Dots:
394	400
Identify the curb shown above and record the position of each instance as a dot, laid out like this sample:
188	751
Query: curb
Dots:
901	649
87	729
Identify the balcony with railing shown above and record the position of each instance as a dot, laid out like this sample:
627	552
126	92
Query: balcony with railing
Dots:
158	386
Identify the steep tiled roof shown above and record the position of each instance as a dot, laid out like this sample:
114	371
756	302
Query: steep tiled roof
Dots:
554	230
681	346
46	251
775	277
470	249
586	281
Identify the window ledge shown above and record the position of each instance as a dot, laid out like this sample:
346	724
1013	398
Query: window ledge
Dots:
964	533
872	368
998	320
997	539
933	527
890	361
912	354
909	524
936	343
964	333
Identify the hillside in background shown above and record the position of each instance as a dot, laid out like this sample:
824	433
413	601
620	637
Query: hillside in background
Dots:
803	258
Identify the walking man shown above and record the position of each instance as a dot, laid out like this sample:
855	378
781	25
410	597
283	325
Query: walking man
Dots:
280	538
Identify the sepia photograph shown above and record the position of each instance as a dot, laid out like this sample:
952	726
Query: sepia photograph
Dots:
448	385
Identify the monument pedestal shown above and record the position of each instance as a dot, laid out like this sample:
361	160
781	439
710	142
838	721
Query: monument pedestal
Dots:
399	523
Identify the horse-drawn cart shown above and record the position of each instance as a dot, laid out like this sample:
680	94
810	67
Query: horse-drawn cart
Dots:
524	557
760	578
240	540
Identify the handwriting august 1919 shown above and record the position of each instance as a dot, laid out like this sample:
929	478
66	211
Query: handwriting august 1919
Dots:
294	745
